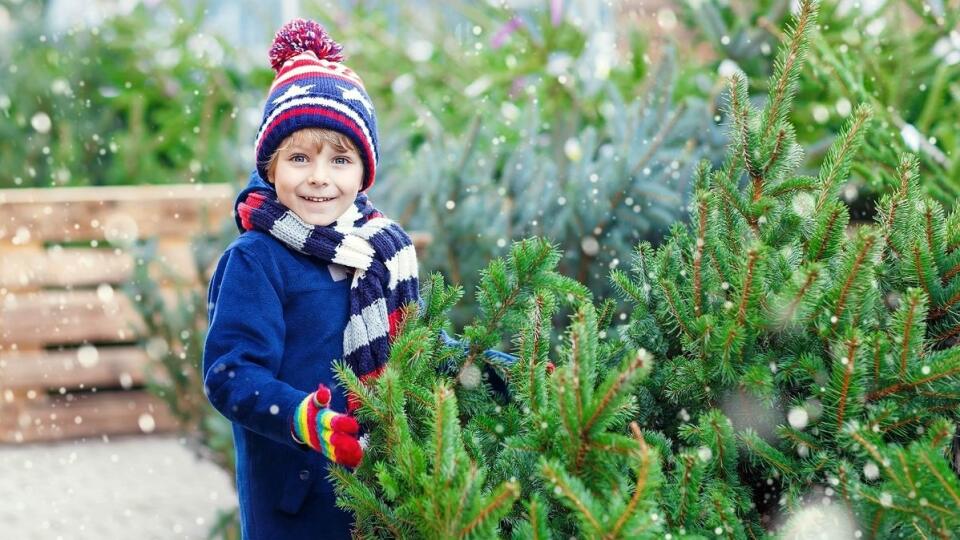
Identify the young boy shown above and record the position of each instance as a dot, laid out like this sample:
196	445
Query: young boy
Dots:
317	275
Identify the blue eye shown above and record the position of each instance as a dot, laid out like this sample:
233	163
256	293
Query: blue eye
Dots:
298	158
341	160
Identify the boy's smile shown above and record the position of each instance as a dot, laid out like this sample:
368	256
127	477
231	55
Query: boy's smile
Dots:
317	183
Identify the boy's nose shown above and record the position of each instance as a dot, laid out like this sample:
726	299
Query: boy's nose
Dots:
319	176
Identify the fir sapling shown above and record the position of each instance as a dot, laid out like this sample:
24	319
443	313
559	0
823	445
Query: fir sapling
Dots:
555	456
769	297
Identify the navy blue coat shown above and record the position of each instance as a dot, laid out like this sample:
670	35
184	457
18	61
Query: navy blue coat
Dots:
276	324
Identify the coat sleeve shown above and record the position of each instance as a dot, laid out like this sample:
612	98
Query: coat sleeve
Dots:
244	348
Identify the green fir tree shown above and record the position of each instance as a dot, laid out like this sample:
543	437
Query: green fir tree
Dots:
898	56
768	304
553	456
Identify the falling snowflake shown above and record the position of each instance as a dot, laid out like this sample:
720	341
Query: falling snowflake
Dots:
146	423
88	356
105	292
470	376
821	114
573	150
822	521
911	137
798	418
666	19
843	107
420	50
41	122
121	229
590	246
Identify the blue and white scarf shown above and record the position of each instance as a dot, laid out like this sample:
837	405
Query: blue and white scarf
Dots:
384	278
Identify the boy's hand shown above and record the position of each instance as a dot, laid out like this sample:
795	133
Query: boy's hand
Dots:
333	434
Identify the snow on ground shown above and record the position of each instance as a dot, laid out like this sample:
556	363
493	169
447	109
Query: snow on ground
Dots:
140	487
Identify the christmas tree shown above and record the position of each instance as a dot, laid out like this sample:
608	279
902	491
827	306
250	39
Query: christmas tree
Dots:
453	457
900	57
766	305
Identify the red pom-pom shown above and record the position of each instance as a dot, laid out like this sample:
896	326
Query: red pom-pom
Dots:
322	396
301	35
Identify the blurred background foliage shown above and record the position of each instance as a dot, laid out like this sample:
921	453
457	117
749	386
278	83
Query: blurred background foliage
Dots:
142	98
902	57
538	121
170	92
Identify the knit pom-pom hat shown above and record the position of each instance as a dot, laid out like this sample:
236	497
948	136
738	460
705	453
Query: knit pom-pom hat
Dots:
313	89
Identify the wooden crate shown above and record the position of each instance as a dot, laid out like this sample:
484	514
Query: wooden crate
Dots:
70	363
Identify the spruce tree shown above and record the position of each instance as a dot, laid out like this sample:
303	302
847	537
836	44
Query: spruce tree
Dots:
766	296
897	56
554	455
769	297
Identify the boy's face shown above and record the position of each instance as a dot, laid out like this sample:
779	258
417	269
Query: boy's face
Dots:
318	183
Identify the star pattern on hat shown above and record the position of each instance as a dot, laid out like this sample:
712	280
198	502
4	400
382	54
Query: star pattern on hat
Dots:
355	95
292	92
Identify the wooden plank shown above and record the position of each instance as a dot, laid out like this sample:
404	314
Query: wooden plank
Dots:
141	192
36	268
15	270
66	317
63	267
83	368
85	415
119	214
78	267
89	213
32	318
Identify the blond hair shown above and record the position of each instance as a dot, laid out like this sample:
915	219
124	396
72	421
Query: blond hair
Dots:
311	138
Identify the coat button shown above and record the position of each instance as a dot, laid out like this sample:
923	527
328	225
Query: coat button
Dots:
305	474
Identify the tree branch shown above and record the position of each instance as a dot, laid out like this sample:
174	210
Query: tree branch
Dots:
908	324
851	276
642	474
852	346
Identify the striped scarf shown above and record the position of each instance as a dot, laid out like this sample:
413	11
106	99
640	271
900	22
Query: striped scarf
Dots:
385	270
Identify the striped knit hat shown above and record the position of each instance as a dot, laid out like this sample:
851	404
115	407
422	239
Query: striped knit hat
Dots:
313	89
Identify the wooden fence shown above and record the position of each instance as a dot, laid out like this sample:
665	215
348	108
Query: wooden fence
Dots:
72	359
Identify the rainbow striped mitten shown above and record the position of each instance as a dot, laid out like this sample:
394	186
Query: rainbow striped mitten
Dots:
333	434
